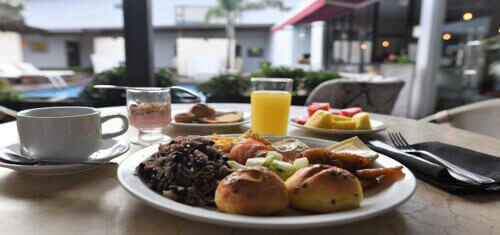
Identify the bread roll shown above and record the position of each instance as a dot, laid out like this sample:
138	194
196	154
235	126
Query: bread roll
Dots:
202	110
251	191
322	188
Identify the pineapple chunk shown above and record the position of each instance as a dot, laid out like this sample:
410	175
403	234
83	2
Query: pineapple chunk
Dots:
341	118
320	119
362	121
344	125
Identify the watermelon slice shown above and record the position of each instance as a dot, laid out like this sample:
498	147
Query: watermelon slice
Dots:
317	106
302	120
349	112
336	112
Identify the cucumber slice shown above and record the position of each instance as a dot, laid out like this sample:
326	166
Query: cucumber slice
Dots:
300	163
282	169
258	161
271	156
234	165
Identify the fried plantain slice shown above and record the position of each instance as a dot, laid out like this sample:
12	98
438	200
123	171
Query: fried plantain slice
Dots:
390	172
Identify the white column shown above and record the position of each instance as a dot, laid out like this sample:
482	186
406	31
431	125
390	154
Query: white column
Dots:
282	47
317	36
424	90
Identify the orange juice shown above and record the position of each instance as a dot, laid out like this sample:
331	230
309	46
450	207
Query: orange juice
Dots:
270	110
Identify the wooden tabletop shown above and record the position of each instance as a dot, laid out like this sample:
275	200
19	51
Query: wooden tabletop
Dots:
94	203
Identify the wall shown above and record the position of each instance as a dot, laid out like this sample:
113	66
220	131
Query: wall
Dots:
55	57
10	47
282	47
164	49
254	38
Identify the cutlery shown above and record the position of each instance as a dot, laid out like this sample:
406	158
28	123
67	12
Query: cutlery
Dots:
400	142
14	158
146	88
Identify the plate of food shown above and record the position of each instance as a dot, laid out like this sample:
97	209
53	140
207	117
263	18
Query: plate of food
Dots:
202	116
266	182
321	118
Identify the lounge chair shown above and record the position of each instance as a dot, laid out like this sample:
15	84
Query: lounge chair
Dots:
10	71
55	76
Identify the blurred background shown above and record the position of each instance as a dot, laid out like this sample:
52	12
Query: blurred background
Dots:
447	53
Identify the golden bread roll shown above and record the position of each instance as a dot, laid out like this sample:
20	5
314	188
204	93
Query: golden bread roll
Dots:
322	188
251	191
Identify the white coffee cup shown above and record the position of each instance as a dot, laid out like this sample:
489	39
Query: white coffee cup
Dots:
63	133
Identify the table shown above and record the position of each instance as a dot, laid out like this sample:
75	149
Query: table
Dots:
94	203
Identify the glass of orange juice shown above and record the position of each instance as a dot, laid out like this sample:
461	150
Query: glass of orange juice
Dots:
271	99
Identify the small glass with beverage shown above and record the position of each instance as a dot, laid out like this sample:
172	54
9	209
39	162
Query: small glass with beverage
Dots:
149	110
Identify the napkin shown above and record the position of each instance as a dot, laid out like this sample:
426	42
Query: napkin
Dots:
438	176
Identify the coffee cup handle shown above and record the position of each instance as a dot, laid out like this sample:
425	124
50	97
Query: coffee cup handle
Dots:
122	130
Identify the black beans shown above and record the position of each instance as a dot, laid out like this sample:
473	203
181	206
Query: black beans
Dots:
186	169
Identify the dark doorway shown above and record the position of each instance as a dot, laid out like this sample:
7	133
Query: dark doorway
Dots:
73	53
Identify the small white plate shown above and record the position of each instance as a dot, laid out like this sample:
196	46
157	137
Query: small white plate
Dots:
204	126
110	149
376	127
373	204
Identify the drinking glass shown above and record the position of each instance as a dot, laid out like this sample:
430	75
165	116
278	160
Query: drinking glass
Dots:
149	111
271	99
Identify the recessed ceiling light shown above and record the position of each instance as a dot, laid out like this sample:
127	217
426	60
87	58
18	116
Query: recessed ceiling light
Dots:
467	16
446	36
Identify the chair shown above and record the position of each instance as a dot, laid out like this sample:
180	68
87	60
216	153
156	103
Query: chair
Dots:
10	71
55	77
481	117
376	96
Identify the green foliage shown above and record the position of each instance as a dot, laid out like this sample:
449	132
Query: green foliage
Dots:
314	78
225	85
116	76
266	70
6	94
236	85
232	8
403	59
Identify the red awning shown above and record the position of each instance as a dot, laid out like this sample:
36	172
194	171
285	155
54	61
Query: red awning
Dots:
320	10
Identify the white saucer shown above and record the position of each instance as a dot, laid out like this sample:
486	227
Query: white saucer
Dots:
110	149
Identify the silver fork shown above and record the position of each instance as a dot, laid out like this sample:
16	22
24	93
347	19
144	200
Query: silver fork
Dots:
458	172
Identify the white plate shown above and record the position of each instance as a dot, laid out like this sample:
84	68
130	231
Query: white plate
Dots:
376	127
110	149
204	126
372	205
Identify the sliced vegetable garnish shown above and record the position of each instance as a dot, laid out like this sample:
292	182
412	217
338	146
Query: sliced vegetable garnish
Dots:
300	163
282	169
234	165
257	161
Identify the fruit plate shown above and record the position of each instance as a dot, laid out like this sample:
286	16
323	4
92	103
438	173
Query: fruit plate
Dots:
375	202
376	127
204	126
